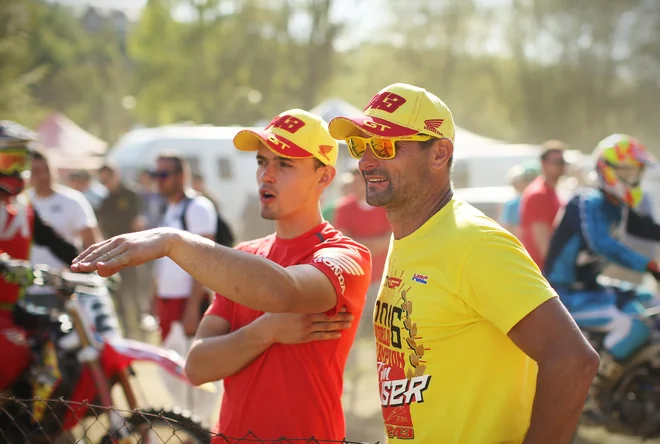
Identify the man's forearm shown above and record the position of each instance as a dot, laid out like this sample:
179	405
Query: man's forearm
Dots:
213	359
561	388
248	279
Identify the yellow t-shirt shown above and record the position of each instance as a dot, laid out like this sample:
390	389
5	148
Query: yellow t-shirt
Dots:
451	291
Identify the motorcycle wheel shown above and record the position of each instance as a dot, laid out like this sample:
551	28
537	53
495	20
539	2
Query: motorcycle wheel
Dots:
163	425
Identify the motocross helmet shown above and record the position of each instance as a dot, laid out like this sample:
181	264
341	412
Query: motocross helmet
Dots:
16	143
620	163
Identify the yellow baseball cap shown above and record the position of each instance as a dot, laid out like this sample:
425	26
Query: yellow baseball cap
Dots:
398	111
296	134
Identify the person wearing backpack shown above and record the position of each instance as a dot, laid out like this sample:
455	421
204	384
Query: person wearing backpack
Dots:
178	297
223	233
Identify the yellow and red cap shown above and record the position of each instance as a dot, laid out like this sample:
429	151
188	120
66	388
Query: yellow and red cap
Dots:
399	111
296	134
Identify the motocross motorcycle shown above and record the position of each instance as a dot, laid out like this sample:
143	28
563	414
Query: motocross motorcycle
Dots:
79	355
628	397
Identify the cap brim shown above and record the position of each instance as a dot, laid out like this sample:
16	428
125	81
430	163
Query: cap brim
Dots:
249	140
343	127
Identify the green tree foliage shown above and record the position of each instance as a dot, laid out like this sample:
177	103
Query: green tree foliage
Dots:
524	72
15	75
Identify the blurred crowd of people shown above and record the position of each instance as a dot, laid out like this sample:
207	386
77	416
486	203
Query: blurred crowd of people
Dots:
531	215
88	206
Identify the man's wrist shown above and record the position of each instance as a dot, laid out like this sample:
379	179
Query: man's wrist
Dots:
172	239
259	333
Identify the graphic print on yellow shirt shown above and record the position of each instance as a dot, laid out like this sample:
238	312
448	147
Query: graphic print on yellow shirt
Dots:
400	358
447	370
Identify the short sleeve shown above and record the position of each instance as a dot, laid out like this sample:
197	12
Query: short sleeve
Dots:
501	282
200	217
535	208
349	269
83	213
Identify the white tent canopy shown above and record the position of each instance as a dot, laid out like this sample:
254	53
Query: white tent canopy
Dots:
69	146
469	144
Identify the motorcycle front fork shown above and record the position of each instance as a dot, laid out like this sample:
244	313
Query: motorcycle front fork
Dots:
90	355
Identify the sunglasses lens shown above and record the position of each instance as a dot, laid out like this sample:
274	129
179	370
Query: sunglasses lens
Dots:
356	147
383	148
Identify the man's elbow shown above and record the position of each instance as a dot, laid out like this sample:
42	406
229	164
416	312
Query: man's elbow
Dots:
587	361
581	362
193	373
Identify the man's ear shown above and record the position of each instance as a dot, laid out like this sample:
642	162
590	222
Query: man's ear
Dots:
328	174
441	152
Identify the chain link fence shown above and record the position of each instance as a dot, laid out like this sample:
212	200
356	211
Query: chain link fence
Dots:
58	421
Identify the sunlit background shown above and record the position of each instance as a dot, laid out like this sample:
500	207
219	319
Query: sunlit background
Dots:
102	78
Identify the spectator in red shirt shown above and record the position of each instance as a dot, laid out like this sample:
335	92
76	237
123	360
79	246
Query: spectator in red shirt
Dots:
281	326
540	203
369	226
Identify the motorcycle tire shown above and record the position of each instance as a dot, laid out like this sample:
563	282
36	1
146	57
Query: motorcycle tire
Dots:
177	420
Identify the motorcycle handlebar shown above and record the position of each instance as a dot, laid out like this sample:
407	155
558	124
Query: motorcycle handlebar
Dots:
25	274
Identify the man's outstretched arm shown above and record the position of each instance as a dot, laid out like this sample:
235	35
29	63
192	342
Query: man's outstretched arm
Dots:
245	278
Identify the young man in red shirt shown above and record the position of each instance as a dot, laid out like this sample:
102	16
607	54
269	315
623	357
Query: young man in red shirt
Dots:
288	305
540	203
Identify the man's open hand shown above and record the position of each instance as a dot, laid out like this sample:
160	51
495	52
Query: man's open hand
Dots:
128	250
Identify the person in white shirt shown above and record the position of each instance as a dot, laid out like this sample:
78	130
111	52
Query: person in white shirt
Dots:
67	211
178	297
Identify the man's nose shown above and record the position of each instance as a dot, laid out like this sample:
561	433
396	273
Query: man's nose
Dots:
268	173
368	160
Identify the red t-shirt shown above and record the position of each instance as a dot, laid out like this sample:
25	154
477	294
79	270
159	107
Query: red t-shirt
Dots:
539	204
359	220
294	391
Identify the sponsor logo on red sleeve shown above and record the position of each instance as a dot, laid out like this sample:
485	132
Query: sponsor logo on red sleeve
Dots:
340	263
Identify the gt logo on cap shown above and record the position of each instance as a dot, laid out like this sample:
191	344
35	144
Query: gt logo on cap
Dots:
377	126
277	143
288	123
